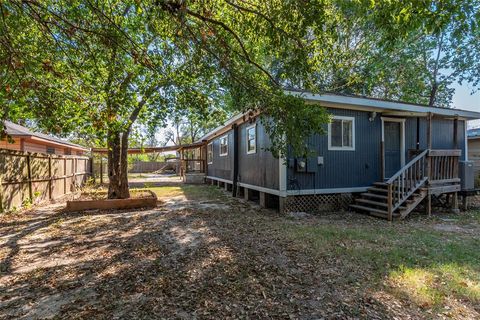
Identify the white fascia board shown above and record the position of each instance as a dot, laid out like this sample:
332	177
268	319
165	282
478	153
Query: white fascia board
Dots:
366	103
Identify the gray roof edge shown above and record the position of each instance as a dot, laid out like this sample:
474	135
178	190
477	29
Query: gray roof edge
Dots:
381	104
14	129
360	101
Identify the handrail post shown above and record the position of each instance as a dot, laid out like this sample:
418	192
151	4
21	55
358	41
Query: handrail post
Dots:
389	202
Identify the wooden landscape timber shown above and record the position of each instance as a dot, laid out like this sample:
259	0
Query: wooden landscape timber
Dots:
149	201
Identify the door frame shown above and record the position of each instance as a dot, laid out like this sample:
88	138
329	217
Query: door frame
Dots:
402	141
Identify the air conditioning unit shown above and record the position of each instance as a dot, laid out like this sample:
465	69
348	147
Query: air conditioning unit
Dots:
467	175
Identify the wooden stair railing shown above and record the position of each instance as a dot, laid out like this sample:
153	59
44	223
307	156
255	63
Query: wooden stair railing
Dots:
406	181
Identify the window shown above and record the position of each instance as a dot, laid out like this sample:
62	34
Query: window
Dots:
341	133
251	139
210	153
224	145
50	150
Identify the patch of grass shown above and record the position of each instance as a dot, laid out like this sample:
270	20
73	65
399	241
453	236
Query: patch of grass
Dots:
425	266
430	287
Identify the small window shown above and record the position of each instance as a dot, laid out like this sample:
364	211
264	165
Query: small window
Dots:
341	133
251	139
50	150
224	145
210	153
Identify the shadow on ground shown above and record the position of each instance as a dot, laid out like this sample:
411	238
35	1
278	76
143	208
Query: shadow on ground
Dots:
179	261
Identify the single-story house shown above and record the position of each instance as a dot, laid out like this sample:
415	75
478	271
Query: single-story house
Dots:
385	156
25	140
474	149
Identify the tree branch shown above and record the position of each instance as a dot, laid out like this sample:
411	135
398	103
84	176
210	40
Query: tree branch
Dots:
237	38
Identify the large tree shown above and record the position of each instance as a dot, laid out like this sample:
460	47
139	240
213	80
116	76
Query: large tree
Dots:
97	67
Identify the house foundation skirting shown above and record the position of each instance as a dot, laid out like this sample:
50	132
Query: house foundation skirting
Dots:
317	203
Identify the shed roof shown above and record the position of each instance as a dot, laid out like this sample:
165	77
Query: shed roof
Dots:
16	130
473	133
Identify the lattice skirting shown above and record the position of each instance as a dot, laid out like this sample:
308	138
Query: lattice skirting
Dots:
473	202
317	203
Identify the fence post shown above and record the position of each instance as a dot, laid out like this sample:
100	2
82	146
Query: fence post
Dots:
101	170
50	176
90	163
65	176
74	164
29	176
2	169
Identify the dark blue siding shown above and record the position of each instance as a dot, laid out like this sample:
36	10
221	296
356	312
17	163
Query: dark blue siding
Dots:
342	169
442	134
362	167
260	168
222	166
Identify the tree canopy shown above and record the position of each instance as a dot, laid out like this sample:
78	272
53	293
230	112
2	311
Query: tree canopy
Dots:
95	68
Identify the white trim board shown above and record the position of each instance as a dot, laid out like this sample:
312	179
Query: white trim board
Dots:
225	136
326	191
254	126
381	105
466	140
261	189
219	179
208	145
329	134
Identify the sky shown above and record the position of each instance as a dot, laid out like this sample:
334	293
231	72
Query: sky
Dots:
464	100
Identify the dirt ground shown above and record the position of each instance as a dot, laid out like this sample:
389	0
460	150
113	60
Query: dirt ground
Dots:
191	257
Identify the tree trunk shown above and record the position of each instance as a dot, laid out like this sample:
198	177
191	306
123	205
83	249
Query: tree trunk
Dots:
433	94
125	193
117	166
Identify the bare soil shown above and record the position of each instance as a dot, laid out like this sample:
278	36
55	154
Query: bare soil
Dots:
186	259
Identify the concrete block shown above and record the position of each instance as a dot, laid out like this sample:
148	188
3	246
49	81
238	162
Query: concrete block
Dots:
263	200
281	204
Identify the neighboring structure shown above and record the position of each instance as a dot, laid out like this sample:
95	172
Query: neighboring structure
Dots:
474	150
410	152
26	140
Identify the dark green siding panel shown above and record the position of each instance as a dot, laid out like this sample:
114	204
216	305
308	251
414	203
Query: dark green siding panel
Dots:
222	166
260	168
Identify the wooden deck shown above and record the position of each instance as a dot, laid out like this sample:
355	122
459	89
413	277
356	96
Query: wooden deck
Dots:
430	173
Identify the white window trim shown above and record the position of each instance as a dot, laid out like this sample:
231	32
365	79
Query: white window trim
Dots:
330	147
254	126
220	145
208	145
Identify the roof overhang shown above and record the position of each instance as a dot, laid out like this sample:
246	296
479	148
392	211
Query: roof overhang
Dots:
57	144
154	149
220	130
337	101
36	139
378	105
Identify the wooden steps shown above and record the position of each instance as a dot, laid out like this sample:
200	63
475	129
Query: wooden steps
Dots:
430	172
375	201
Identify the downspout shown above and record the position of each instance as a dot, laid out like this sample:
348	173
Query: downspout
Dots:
236	142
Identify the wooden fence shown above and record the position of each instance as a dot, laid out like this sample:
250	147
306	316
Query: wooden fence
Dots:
27	178
151	166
